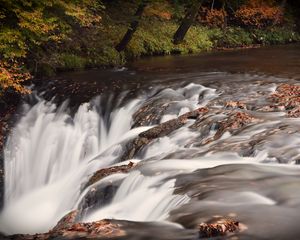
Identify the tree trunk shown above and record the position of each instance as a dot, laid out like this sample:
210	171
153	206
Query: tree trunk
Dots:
225	16
133	27
283	3
187	22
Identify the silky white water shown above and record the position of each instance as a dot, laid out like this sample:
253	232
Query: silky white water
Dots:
48	156
51	154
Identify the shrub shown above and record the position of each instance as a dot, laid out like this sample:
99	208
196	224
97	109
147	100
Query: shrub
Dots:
12	75
275	36
259	16
28	26
109	56
230	37
212	17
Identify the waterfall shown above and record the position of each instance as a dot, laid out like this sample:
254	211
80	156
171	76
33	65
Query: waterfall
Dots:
141	198
51	153
47	157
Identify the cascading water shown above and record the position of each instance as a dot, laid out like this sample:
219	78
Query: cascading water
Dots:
51	154
48	156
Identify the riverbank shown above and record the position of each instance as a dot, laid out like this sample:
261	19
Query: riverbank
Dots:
154	38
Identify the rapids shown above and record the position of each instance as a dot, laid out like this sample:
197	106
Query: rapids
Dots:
180	180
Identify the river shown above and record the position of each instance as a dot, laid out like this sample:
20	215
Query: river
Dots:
81	122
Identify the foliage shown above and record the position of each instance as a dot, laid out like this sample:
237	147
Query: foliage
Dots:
259	15
230	37
212	17
159	9
12	75
108	56
155	38
71	61
276	35
29	25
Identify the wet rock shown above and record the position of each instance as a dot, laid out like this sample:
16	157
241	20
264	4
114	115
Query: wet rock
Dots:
96	197
66	222
234	121
3	237
235	104
213	125
94	230
287	95
271	108
294	113
101	195
153	109
144	138
100	174
103	229
217	229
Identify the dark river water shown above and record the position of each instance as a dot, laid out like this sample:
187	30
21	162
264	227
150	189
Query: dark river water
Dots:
214	167
80	86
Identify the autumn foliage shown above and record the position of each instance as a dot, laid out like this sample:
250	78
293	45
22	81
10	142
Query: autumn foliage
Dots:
212	17
11	76
27	26
159	10
259	14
